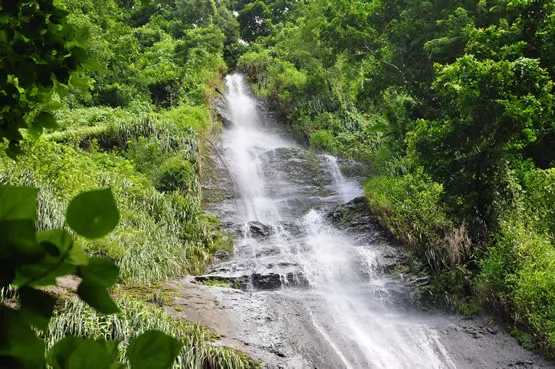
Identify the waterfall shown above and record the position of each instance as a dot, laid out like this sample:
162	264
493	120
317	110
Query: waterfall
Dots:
346	189
344	304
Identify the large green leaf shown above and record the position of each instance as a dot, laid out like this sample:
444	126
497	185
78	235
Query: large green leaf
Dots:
97	297
18	203
37	307
56	242
44	272
153	350
93	214
81	353
101	271
19	345
77	255
55	246
59	243
18	242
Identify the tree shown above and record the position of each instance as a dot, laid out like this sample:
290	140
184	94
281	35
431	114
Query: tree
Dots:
39	52
492	111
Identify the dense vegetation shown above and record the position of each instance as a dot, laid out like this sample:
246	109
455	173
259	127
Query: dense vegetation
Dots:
452	104
110	94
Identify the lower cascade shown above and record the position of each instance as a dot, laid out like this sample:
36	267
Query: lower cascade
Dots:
316	294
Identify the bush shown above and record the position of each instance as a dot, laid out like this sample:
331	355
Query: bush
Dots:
517	276
323	140
176	174
410	208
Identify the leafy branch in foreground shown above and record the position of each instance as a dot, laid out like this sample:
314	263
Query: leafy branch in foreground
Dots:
31	260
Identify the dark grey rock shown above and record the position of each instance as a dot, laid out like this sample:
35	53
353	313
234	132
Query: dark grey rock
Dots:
259	281
257	229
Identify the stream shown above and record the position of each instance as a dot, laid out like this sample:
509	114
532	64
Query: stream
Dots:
314	293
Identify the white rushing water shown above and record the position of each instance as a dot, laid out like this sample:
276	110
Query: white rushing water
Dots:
348	303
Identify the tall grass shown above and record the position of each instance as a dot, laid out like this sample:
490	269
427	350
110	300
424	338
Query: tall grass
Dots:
199	351
160	235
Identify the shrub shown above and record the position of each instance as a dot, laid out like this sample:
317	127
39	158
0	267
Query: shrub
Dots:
517	276
410	208
176	174
323	140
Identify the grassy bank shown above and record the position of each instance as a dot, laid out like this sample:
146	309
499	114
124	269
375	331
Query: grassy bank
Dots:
151	162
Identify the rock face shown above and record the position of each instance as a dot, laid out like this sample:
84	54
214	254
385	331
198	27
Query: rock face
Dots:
259	281
354	216
301	167
257	229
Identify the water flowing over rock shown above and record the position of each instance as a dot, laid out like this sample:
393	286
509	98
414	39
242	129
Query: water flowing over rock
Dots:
257	229
311	268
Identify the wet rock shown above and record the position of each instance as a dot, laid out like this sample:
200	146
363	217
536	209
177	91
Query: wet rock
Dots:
292	229
521	364
354	169
221	256
492	330
418	281
257	229
301	167
221	107
267	251
259	281
354	216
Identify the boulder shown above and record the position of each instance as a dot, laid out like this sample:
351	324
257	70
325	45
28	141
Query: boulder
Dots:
257	229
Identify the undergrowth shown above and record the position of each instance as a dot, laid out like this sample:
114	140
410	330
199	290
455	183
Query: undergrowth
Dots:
162	232
199	352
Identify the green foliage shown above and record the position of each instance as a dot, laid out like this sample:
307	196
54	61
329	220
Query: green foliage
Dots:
253	19
40	50
410	207
159	234
176	174
153	350
29	259
73	352
77	319
492	111
517	272
323	140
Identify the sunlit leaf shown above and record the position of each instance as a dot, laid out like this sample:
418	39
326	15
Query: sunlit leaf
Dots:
153	350
101	271
44	120
93	214
97	297
17	203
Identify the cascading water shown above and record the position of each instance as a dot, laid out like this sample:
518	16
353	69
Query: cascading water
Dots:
315	292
